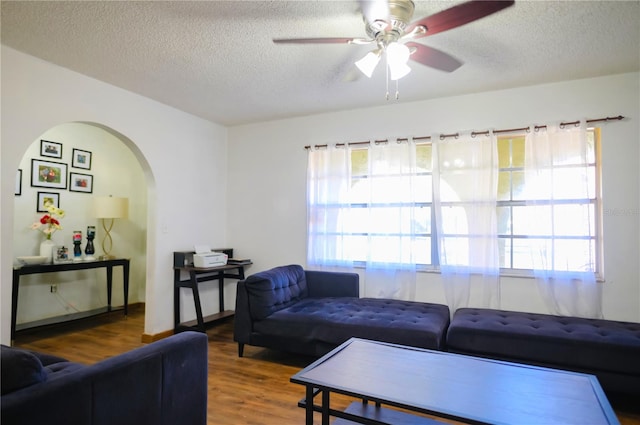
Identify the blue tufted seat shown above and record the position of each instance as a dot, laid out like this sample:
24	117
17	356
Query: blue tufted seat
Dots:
311	312
608	349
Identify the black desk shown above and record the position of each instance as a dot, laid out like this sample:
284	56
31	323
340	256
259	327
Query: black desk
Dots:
53	268
196	276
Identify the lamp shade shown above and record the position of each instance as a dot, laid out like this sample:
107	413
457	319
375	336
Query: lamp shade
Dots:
110	207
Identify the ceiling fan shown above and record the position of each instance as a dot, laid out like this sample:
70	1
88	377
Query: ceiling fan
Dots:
388	26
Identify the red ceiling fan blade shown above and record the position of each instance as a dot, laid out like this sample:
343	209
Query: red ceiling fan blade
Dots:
433	58
458	16
322	40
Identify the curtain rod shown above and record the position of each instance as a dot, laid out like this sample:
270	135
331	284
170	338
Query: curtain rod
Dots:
473	133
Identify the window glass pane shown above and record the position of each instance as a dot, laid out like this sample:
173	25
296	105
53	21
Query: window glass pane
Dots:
422	250
574	220
454	220
517	152
504	220
504	152
568	183
521	252
574	255
422	188
359	162
517	185
504	186
532	220
423	157
504	249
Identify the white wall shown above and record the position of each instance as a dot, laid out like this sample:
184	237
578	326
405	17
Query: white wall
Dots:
267	171
183	158
115	171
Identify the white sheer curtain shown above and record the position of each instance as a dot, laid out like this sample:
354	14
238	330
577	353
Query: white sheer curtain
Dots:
328	189
390	268
557	168
465	174
369	219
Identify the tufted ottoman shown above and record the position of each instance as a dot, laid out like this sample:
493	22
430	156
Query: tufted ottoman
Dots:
608	349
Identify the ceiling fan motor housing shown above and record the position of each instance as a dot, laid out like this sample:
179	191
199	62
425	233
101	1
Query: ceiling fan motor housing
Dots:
400	14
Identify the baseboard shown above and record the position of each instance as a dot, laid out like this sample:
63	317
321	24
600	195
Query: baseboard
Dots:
147	338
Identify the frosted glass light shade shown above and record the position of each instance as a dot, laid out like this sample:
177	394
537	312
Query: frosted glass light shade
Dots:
368	63
397	58
110	207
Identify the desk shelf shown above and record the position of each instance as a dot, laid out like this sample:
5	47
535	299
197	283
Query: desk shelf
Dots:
198	275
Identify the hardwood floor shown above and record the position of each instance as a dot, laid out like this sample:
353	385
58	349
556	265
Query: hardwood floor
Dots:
252	390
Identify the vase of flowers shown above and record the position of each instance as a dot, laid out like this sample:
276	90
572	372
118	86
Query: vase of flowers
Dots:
48	225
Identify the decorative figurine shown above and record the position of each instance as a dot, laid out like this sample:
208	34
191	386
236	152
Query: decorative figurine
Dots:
77	249
89	249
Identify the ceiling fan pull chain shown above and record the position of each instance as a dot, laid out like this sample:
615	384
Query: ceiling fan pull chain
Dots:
397	89
387	73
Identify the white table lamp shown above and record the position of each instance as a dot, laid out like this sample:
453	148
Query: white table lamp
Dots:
108	208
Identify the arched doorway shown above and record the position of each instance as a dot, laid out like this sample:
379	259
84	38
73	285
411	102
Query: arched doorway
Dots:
113	166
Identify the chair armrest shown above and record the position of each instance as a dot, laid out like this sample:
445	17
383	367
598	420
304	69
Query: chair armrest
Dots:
332	284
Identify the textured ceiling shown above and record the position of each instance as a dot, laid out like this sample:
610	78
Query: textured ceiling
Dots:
216	59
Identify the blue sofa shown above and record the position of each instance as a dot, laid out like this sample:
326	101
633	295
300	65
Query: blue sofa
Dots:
311	312
163	383
607	349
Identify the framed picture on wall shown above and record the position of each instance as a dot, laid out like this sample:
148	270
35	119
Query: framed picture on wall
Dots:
81	159
45	198
48	174
52	149
80	182
18	190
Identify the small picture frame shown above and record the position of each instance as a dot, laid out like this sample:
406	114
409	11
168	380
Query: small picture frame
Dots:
80	182
48	174
18	190
61	255
47	197
51	149
81	159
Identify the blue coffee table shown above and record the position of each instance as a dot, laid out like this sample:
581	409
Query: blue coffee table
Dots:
447	385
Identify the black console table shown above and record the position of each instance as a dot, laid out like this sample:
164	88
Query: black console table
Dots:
198	275
54	268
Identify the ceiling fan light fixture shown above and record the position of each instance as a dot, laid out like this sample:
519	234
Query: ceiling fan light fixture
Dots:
369	62
397	58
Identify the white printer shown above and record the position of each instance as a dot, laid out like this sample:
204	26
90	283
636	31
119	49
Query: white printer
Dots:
204	257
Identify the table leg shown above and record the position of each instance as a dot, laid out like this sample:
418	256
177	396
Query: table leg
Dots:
14	302
221	290
325	407
125	284
309	406
196	301
109	286
176	298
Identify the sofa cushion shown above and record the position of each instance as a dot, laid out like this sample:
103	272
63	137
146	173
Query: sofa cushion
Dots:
335	320
275	289
569	342
20	369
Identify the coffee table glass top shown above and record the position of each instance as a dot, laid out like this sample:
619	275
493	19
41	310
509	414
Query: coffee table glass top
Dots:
459	387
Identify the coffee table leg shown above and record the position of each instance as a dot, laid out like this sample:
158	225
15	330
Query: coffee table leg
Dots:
325	407
309	406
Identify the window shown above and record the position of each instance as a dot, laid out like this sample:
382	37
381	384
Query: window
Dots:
386	214
554	215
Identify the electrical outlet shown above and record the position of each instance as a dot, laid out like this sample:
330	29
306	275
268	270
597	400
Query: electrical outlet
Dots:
54	288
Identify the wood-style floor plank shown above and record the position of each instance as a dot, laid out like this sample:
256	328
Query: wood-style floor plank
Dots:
252	390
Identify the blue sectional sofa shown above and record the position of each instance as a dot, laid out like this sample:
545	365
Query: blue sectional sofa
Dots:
163	383
312	312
